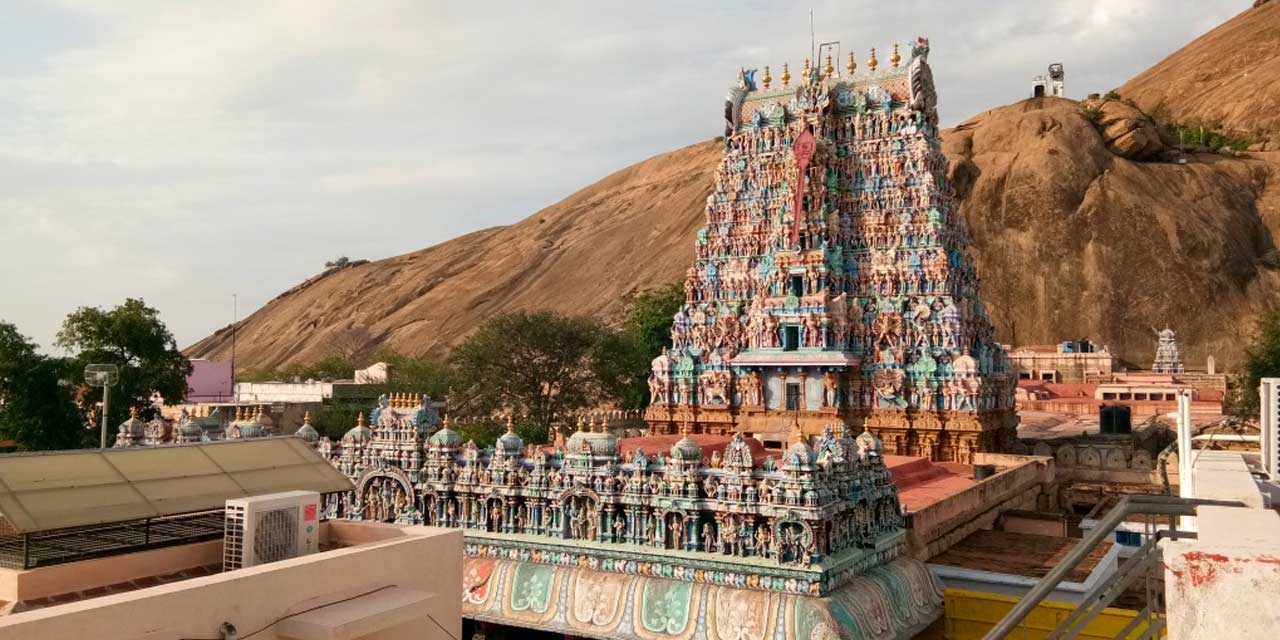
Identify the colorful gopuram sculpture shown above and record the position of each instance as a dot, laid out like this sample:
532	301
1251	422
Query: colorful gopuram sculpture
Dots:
1168	355
569	538
207	426
832	279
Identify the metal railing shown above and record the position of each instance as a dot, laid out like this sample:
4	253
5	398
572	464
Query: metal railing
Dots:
43	548
1106	592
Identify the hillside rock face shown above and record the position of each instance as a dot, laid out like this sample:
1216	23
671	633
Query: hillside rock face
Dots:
1126	131
1230	75
1072	238
585	254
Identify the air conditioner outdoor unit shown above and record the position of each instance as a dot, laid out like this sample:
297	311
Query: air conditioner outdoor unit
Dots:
272	527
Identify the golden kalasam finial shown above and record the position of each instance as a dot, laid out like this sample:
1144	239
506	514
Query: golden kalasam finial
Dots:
830	69
852	66
306	418
786	76
133	412
872	62
511	425
767	78
805	72
895	58
686	428
360	419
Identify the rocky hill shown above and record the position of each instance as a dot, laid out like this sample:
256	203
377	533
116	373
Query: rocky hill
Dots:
1230	75
585	254
1075	238
1084	224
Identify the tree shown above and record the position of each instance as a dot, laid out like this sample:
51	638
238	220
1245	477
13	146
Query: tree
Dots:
132	337
330	368
409	374
37	407
621	361
535	364
1262	360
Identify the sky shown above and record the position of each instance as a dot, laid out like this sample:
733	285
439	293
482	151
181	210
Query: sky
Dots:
186	152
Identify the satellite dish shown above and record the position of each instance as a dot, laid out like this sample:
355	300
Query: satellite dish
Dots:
101	375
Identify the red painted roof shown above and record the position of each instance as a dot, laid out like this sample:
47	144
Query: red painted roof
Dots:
922	483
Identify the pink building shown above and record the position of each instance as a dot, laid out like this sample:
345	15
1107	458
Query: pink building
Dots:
209	382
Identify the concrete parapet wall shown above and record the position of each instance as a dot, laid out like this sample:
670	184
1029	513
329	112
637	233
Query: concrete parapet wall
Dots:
43	582
1226	584
423	560
935	528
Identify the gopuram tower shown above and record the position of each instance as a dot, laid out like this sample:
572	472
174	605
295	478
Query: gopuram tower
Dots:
831	281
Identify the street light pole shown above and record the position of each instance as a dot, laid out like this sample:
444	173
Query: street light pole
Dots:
102	375
106	390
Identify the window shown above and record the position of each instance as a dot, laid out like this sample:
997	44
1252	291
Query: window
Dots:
790	337
793	396
1129	538
797	286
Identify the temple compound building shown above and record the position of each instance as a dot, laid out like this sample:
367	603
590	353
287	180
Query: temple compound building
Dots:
831	278
586	541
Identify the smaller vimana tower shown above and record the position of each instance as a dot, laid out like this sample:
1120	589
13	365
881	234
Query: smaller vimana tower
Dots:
831	281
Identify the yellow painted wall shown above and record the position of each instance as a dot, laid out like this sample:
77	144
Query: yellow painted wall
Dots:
971	614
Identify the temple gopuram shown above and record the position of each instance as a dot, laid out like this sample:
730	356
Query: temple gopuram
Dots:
588	541
1168	356
831	279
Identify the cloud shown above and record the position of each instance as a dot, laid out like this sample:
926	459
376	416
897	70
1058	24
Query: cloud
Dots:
184	151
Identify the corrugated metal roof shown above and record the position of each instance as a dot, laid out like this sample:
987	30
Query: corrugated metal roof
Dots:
55	490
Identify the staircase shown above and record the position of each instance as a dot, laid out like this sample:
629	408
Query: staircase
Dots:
1144	564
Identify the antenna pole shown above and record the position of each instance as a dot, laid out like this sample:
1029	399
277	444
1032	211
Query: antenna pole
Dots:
812	52
235	320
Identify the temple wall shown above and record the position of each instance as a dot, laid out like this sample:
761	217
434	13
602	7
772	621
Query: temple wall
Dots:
813	393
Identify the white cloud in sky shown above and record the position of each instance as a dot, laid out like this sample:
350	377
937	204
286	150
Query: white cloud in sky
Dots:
183	151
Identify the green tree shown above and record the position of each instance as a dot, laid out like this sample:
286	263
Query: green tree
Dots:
535	364
622	359
132	337
330	368
1262	360
409	374
37	407
484	432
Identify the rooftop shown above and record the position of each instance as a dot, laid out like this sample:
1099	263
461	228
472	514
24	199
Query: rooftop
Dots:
1020	554
922	483
70	505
